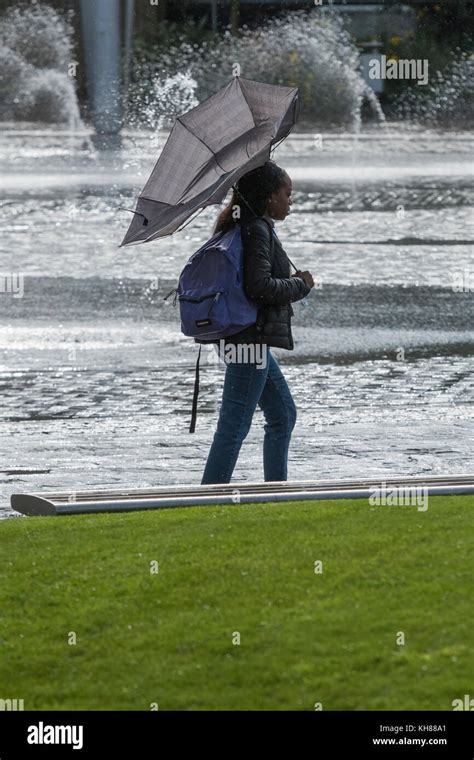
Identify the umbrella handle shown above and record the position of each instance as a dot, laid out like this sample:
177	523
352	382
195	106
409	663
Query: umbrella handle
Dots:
296	270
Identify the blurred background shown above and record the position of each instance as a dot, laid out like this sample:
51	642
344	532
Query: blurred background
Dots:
95	375
132	52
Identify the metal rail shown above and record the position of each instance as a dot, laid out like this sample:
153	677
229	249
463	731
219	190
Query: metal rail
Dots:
125	500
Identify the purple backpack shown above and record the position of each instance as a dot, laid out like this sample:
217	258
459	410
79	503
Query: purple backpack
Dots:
212	300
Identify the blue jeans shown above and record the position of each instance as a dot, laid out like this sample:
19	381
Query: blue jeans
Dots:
245	386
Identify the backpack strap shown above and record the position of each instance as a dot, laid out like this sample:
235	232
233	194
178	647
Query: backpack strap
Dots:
195	396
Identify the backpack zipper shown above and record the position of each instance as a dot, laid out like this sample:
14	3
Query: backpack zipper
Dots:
203	298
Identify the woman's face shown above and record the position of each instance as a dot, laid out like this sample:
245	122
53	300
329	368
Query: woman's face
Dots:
279	203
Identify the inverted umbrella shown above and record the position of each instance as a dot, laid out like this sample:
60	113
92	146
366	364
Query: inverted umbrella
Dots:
209	148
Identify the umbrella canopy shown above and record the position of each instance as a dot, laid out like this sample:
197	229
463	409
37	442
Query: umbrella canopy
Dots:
209	148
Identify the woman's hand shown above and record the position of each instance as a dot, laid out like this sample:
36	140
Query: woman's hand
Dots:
306	277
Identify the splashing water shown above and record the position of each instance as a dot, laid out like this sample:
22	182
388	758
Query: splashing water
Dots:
447	100
36	44
304	49
169	96
300	49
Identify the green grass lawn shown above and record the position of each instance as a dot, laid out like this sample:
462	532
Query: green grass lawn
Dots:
306	637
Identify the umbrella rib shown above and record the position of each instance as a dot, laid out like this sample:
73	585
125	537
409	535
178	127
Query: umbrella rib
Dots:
202	141
274	147
145	222
189	221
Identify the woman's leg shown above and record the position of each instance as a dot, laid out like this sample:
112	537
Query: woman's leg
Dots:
279	410
243	385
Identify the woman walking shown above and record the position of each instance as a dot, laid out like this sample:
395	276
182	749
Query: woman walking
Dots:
262	196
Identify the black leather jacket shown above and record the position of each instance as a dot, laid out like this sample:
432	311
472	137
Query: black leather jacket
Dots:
267	282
